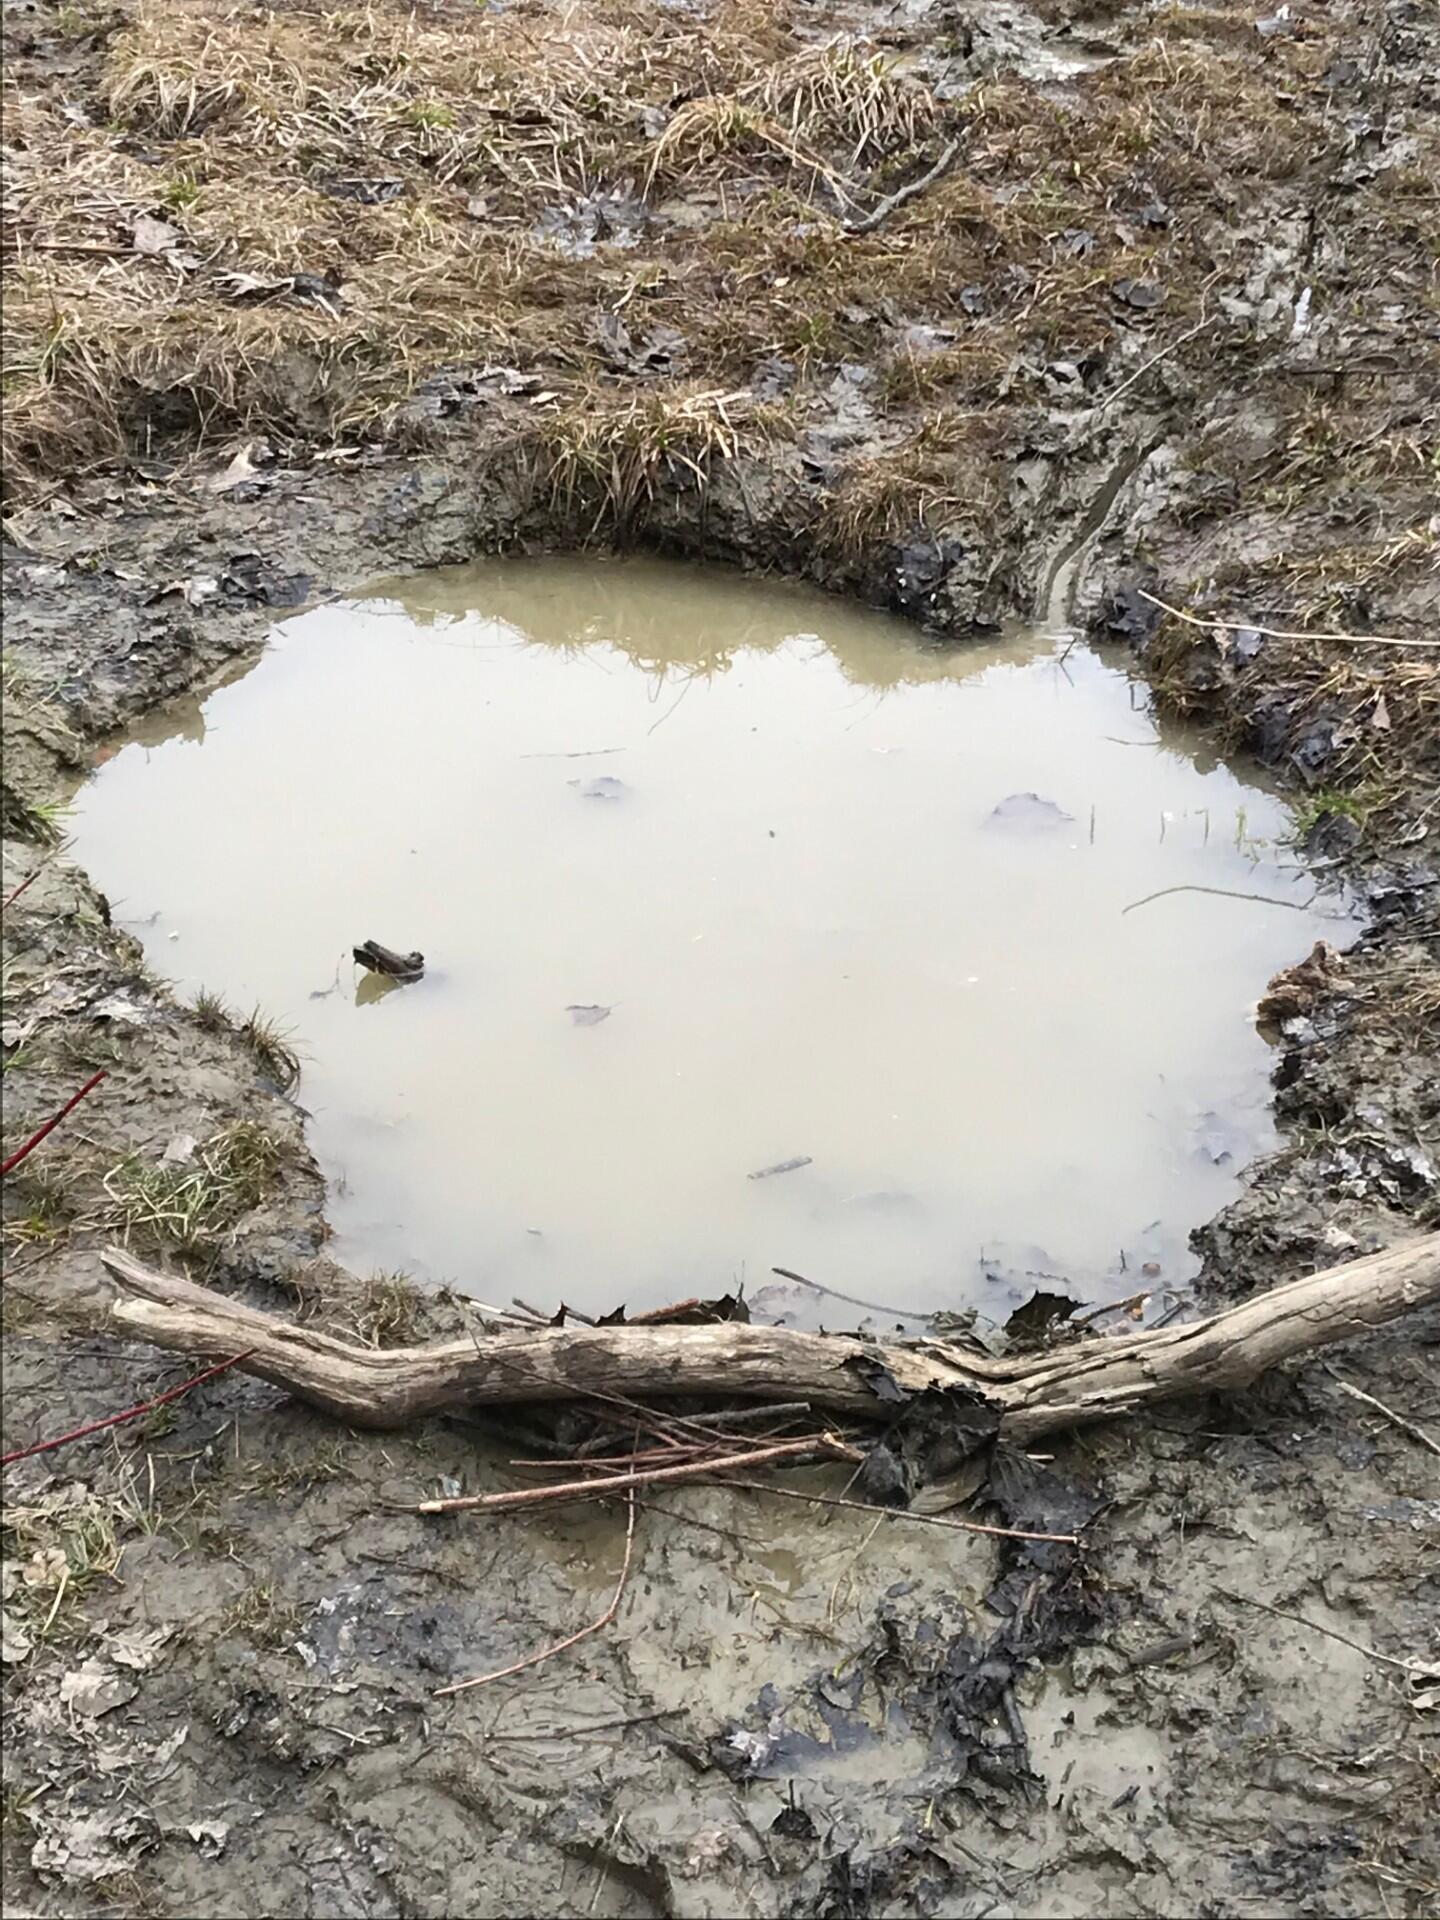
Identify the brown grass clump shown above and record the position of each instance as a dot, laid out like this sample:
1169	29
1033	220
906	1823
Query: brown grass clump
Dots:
851	97
290	218
601	462
935	475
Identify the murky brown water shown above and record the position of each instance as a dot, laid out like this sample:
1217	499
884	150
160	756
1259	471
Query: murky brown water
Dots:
714	877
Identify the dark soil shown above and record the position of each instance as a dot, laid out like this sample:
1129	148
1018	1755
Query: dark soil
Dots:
221	1646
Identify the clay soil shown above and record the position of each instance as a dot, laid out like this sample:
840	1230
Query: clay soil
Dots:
295	299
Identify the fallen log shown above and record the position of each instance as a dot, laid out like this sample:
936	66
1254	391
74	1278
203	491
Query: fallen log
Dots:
1095	1379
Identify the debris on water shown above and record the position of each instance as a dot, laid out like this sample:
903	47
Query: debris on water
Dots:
1032	1322
783	1166
589	1016
1293	991
399	966
603	787
1028	810
1220	1141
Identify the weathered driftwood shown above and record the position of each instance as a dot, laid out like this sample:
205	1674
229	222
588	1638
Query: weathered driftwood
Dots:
1092	1380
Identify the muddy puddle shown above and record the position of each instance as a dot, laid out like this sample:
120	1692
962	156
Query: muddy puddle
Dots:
757	933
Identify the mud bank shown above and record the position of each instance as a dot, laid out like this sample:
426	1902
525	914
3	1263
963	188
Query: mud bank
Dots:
221	1648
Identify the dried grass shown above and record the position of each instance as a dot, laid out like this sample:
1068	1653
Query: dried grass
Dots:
934	475
196	1204
601	462
464	132
1378	709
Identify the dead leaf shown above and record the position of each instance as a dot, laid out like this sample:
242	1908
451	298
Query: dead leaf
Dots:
95	1688
180	1150
210	1837
83	1848
240	469
137	1650
1380	718
15	1643
46	1568
116	1007
154	236
194	591
252	286
1034	1318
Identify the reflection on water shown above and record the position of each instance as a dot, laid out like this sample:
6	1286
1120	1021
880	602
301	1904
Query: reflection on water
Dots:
856	906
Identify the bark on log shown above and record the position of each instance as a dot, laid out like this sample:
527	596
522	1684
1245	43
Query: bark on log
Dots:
1095	1379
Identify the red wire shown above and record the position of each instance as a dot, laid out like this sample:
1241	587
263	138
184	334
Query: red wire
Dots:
133	1413
50	1125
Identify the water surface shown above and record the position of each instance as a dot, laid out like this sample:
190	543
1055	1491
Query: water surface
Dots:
714	877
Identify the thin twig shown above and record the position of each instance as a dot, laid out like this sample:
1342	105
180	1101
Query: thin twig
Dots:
887	206
1281	633
559	1646
903	1513
1386	1659
22	1153
1395	1419
572	1313
622	1482
751	1416
721	1423
1153	361
1224	893
850	1299
589	1726
642	1457
131	1413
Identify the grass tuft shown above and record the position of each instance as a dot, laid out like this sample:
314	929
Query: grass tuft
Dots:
389	1310
267	1039
194	1206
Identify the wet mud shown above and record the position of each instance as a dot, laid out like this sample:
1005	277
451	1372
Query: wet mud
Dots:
222	1647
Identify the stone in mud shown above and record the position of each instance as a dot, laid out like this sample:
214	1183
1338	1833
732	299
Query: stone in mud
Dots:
1028	813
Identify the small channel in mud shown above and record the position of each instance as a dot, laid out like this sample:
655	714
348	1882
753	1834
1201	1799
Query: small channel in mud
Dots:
758	932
